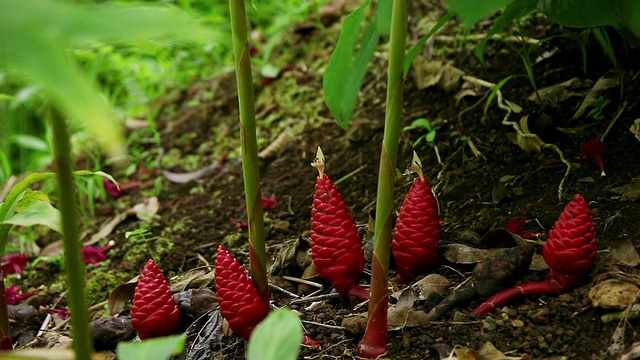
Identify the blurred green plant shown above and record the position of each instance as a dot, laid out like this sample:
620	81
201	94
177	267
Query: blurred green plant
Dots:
161	348
284	344
598	107
348	64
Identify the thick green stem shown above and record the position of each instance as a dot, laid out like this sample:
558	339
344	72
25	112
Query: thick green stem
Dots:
374	343
5	329
74	266
253	195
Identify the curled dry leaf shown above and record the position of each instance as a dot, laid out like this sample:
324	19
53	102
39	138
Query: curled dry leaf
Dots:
194	278
284	255
623	251
614	294
635	128
466	255
601	86
489	352
121	295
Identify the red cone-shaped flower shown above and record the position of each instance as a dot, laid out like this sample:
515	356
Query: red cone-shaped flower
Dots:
571	247
417	232
238	297
154	310
335	243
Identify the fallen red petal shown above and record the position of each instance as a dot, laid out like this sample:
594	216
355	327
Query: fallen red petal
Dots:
13	264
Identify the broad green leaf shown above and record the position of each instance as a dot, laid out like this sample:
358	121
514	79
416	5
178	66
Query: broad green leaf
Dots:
383	16
7	208
431	136
37	36
345	71
283	344
29	198
30	142
413	52
580	13
161	348
36	212
471	11
515	10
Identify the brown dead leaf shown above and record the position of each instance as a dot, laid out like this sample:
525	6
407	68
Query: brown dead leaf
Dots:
194	278
489	352
558	93
430	73
465	353
432	283
623	251
144	210
463	254
284	254
602	85
528	141
629	192
400	317
635	128
120	296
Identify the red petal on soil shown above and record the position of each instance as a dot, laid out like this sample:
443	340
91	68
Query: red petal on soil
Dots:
516	226
13	264
94	254
592	150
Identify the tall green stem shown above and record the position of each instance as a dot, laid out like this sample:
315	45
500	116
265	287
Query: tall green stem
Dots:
253	195
74	266
374	343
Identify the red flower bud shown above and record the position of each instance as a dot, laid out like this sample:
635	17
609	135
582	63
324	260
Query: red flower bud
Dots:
416	236
238	297
154	309
336	247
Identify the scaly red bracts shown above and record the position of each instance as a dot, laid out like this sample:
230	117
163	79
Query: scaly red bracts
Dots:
238	297
335	243
569	252
416	236
154	312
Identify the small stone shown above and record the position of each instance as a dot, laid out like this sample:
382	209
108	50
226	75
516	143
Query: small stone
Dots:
500	322
459	317
548	337
513	313
565	298
517	323
489	324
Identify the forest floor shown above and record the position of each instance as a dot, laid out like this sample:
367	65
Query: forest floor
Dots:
476	192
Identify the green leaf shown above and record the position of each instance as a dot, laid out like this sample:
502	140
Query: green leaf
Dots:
345	71
431	136
514	10
420	123
34	211
470	11
413	52
383	16
580	13
37	36
282	344
161	348
495	90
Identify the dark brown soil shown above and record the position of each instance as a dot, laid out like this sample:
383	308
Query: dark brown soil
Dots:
196	216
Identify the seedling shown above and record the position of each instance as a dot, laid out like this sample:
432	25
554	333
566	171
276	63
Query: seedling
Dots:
154	312
335	243
598	107
417	232
429	134
569	252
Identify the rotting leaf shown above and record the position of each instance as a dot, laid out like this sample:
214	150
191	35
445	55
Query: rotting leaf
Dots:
635	128
121	295
194	278
284	254
430	73
430	284
629	192
466	255
557	93
601	86
623	251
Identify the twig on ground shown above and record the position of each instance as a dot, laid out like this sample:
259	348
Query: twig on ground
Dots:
276	287
613	121
334	327
309	299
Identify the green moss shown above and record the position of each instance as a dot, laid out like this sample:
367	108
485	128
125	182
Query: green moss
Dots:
174	157
101	282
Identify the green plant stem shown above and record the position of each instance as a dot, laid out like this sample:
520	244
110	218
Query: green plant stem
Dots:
253	194
374	342
74	266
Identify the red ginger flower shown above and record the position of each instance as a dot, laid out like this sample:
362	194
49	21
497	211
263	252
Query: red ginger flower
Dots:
13	264
238	297
569	252
571	248
416	236
336	247
154	312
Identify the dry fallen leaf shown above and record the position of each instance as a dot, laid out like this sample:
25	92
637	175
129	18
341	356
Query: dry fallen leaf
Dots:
623	251
629	192
430	73
144	210
557	93
194	278
602	85
463	254
490	352
121	295
635	128
613	294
